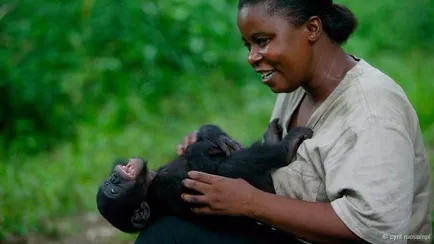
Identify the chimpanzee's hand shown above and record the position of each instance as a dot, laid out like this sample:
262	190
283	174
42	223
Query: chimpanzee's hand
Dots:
227	145
189	139
273	135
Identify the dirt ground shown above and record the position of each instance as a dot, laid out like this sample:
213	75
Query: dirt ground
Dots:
88	229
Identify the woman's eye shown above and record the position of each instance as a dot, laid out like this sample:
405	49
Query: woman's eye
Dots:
262	42
247	46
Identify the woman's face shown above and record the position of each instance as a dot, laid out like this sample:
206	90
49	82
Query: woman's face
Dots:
277	50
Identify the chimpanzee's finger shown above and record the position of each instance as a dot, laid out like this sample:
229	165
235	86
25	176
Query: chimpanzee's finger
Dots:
192	137
235	145
275	122
278	126
180	149
232	145
224	147
185	142
214	151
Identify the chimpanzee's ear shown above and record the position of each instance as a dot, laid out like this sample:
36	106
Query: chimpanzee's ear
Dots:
141	215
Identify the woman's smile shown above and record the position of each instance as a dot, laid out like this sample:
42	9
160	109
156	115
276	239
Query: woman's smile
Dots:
267	75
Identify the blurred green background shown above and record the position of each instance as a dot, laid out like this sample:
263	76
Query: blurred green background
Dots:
82	82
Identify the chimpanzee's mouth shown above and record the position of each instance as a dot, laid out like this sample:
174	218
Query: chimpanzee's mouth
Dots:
132	169
128	171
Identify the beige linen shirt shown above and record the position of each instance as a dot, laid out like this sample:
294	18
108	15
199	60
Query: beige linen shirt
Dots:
366	157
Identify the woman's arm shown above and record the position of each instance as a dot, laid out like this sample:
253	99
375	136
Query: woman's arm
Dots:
310	221
315	222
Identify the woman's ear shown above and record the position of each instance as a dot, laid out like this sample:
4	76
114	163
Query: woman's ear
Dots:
314	28
140	217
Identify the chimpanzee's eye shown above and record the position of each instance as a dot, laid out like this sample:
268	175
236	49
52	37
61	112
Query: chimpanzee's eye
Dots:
113	191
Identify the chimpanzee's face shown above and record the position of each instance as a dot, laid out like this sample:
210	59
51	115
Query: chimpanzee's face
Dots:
121	199
127	176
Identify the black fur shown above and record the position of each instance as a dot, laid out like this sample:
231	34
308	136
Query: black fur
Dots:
252	164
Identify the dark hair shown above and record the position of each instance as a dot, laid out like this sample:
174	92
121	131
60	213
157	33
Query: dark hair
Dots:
338	21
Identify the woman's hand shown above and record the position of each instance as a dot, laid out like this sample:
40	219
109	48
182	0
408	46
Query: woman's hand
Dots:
189	139
221	195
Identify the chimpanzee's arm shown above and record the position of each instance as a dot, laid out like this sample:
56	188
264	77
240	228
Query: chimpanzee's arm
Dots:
257	158
253	164
221	140
265	157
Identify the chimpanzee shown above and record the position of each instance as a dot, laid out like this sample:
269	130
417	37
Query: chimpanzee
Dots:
133	196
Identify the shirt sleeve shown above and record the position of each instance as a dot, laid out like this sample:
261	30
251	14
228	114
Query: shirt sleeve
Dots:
369	177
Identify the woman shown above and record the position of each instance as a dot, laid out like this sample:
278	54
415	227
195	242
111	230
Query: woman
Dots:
364	176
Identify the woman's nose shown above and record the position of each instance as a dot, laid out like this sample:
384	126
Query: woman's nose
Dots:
254	56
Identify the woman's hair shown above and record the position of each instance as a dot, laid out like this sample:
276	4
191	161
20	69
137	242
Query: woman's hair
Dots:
337	20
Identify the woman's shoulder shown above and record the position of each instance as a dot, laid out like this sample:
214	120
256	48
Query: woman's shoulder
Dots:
366	97
374	81
378	95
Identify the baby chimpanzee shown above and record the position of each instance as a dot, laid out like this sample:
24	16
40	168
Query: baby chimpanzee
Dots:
133	196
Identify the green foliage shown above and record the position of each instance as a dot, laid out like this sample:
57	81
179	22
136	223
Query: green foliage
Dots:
70	59
66	61
105	76
398	26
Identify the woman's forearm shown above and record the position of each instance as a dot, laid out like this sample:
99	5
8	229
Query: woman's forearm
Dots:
315	222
